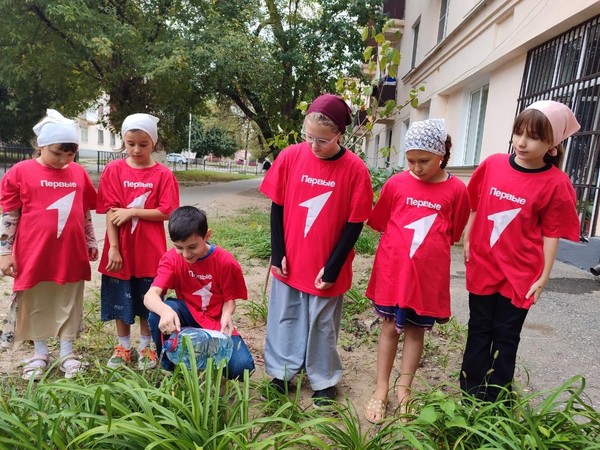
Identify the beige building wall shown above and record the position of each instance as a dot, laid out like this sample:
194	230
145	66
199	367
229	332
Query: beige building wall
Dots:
486	43
483	51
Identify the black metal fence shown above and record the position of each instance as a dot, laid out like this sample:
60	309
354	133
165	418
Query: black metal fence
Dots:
567	69
11	154
252	167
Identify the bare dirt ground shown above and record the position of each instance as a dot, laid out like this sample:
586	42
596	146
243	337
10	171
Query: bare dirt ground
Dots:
358	340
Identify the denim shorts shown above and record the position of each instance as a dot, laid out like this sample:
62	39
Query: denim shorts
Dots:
403	315
123	299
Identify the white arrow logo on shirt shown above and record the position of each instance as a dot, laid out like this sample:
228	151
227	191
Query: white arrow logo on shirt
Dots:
138	202
63	206
205	294
314	205
421	227
501	221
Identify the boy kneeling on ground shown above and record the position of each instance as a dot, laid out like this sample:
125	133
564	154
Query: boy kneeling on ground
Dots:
207	281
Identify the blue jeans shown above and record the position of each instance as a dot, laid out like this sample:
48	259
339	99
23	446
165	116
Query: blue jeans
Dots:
241	359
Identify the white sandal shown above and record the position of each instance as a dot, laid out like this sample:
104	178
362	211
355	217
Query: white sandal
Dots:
71	366
35	367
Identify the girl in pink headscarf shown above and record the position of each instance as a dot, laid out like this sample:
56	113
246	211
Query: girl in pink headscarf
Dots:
521	204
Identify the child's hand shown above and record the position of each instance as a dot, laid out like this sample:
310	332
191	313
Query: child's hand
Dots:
119	216
281	271
319	283
227	325
8	265
169	322
92	253
536	290
466	248
115	261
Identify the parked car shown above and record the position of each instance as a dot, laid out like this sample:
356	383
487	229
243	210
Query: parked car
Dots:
176	158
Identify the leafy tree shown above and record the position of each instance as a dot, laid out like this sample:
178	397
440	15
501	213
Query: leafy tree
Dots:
167	56
216	141
77	50
275	54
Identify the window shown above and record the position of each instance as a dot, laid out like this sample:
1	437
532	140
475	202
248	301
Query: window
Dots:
84	134
376	151
100	111
476	120
113	139
443	20
416	26
389	145
100	137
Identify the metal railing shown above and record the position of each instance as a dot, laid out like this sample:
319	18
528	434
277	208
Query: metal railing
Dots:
13	153
567	69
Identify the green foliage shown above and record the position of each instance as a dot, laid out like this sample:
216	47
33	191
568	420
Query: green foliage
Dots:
249	234
367	242
256	311
207	176
190	410
216	141
69	53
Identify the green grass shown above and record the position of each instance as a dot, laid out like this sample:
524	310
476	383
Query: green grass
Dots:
248	234
207	176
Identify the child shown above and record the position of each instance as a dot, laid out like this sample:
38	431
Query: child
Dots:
521	205
207	281
421	213
137	194
47	242
321	194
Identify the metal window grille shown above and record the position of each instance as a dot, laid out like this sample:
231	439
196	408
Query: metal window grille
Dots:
567	69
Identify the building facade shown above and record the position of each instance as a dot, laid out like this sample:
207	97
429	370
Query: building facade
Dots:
95	137
481	63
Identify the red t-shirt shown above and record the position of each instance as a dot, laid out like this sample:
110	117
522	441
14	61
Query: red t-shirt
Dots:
419	222
515	209
319	197
50	243
141	242
205	285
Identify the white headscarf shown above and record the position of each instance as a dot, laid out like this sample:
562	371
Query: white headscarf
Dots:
56	129
141	121
428	135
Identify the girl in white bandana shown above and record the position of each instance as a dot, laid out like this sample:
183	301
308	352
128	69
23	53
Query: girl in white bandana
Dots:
420	213
47	241
137	194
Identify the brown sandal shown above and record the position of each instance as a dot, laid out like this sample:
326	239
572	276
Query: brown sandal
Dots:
375	410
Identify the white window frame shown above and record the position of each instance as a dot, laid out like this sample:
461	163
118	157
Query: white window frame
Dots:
474	130
443	22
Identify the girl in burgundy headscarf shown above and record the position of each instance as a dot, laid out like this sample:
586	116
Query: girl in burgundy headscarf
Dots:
321	195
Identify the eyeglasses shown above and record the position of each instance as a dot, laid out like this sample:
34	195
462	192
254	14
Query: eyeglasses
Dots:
318	142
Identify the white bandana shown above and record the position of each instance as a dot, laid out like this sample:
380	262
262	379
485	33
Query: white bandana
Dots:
141	121
428	135
56	129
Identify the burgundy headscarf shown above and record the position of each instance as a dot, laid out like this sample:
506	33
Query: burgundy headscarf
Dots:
335	108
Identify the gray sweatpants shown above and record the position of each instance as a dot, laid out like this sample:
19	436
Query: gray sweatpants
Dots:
302	332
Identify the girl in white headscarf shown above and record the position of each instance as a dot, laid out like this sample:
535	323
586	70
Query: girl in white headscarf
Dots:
47	241
420	213
137	194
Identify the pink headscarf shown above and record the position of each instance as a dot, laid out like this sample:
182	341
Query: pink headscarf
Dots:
561	118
